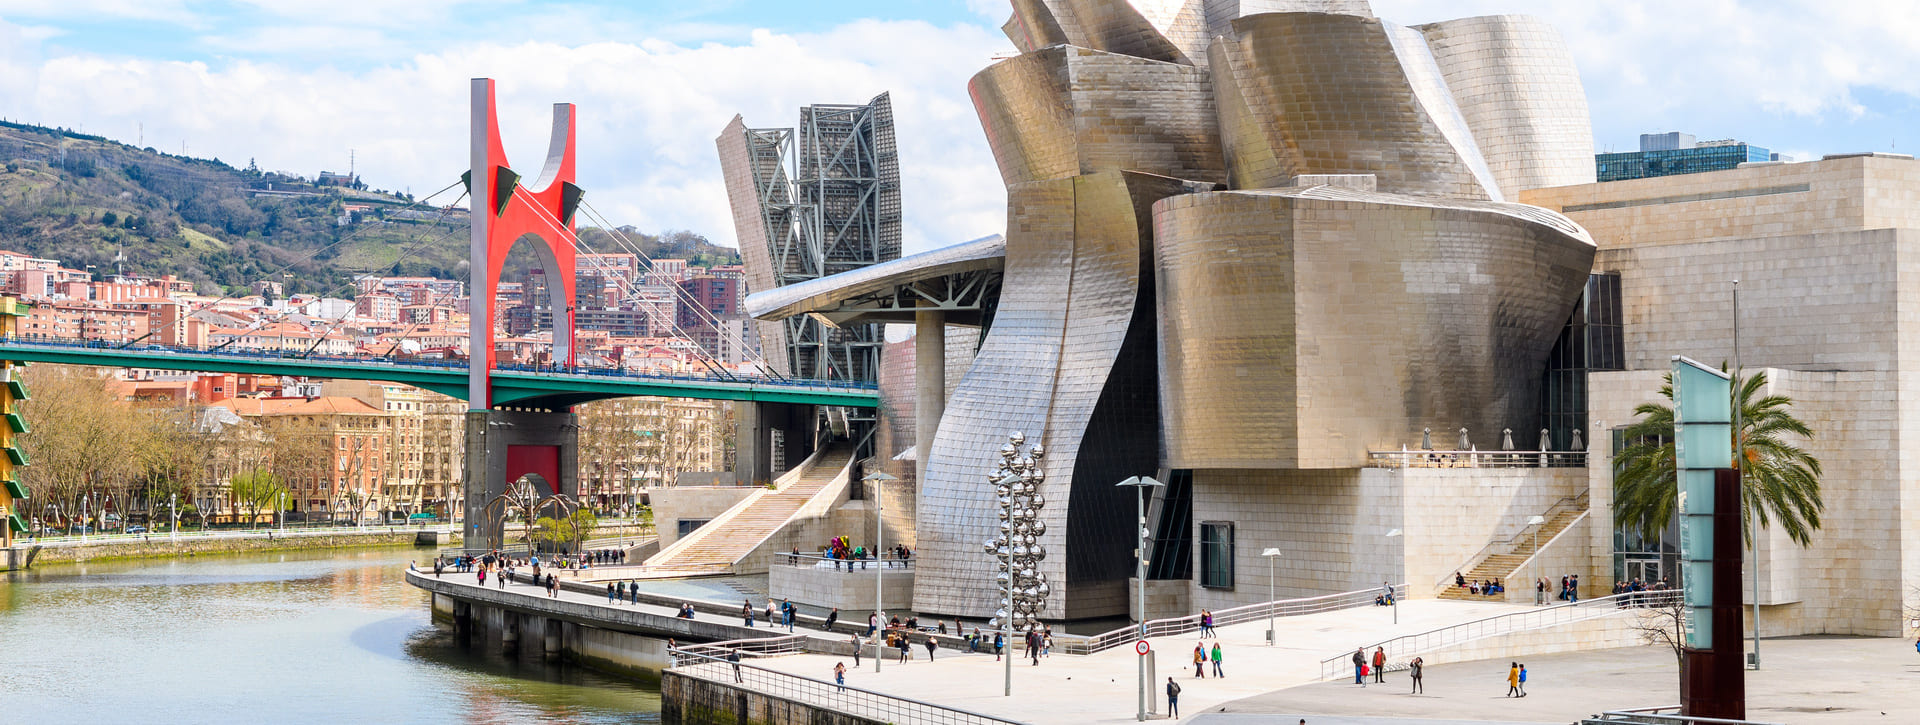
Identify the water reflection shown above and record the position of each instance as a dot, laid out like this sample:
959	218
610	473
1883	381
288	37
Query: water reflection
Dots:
287	637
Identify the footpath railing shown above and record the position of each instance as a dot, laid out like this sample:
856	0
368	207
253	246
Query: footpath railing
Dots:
827	563
263	533
1173	626
821	693
1398	649
791	644
1658	716
1476	459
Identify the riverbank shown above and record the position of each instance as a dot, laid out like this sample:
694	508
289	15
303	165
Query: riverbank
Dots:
164	546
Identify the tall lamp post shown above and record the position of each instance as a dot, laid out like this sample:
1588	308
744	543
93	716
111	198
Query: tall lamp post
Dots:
1141	484
1391	599
1271	554
1535	521
879	523
1740	458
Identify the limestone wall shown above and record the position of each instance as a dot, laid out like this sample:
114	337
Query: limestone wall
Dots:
673	505
851	591
159	546
688	700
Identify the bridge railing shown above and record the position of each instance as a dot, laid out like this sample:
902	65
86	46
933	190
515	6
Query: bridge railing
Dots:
1398	649
821	693
1173	626
578	371
790	644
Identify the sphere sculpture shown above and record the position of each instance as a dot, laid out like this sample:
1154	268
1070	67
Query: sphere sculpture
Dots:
1023	587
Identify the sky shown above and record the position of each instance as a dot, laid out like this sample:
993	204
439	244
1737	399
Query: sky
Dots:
298	85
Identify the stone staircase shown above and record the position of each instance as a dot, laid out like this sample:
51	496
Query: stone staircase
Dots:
734	535
1502	564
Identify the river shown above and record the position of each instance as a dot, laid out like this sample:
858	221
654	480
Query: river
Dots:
289	637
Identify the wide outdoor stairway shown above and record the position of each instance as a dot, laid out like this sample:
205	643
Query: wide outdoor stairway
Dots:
733	536
1501	565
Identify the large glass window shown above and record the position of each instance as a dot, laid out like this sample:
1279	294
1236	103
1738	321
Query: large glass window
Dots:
1216	554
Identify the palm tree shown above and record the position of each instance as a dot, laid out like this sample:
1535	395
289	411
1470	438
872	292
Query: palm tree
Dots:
1780	482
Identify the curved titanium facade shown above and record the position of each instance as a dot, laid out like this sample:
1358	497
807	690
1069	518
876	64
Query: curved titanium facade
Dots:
1069	357
1516	84
1318	93
1382	314
1064	111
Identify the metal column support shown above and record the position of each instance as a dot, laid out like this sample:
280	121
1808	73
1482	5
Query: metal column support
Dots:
929	384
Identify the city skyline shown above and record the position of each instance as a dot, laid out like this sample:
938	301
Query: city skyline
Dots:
300	86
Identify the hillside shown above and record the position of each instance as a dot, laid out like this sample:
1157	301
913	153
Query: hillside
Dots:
87	200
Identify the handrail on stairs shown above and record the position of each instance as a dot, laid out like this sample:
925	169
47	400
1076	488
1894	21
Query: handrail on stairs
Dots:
1563	504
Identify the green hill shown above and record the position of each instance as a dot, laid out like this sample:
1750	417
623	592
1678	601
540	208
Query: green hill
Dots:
86	200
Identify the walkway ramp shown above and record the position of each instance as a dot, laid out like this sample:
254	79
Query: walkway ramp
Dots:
809	490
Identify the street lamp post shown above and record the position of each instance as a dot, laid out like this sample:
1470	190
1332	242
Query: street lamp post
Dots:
878	478
1391	599
173	510
1141	484
1271	554
1535	522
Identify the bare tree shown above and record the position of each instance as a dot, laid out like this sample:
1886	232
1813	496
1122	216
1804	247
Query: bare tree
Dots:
1663	621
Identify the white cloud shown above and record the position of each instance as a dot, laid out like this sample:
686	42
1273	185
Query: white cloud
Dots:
648	114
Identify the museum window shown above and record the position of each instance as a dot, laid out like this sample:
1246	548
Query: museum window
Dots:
1216	554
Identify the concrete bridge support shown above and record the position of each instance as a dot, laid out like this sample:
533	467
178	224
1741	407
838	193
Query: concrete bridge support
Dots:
505	445
770	438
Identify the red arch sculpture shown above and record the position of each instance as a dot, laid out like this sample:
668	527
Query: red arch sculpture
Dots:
504	210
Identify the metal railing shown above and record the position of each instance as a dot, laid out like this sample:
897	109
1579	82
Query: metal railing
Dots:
1174	626
1566	503
1476	459
825	563
1654	716
821	693
1398	649
578	371
790	644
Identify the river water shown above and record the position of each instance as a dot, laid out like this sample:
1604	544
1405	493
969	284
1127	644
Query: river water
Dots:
294	637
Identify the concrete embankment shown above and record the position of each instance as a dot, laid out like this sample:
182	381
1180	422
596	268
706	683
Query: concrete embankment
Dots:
686	700
164	546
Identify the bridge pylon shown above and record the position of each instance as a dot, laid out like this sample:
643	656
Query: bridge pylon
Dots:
529	439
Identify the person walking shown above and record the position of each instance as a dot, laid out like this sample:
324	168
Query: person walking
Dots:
746	613
833	616
855	640
840	674
1513	680
1200	661
931	646
734	657
1523	680
1173	698
787	610
1414	668
873	621
1380	665
999	644
1217	672
1540	591
1206	623
771	621
906	648
553	586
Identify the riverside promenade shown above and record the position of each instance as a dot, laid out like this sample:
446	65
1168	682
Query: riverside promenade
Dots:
1097	688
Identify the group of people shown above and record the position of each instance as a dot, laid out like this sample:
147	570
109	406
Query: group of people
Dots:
1201	656
841	549
781	615
500	567
1477	587
1376	667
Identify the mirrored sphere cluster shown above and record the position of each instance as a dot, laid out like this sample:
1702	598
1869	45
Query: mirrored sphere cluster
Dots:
1016	481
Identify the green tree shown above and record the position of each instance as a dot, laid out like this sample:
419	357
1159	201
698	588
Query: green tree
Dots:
1780	481
255	489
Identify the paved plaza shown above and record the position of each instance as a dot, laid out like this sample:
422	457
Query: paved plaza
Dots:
1813	680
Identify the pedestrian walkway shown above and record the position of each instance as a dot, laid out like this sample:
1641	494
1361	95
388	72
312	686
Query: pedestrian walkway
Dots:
1101	688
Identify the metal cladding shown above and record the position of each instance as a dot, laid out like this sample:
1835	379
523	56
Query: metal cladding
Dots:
1380	314
1516	84
1313	93
811	205
1064	111
1363	279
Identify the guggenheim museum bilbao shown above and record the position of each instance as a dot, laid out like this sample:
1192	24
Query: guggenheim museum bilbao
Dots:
1350	290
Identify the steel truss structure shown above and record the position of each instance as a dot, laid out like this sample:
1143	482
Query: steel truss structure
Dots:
826	200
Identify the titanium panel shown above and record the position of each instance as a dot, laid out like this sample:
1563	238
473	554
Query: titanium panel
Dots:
1390	313
1220	14
1515	82
1330	94
1064	111
985	253
1070	340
